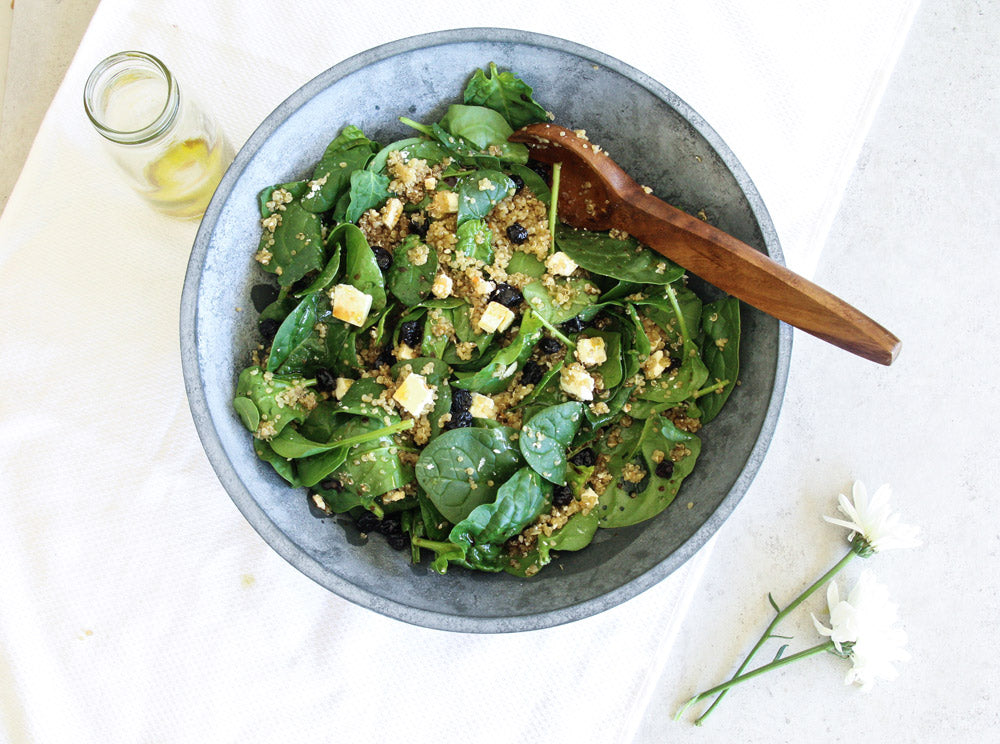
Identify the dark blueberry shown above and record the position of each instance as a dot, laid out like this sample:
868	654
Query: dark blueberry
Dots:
382	257
561	495
331	484
326	380
573	325
532	373
664	469
419	228
411	334
549	345
367	522
518	182
398	542
263	295
540	168
506	295
517	233
269	327
460	420
460	400
674	362
390	526
585	458
386	357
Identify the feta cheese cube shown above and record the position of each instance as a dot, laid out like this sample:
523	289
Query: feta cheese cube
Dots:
404	351
444	202
482	286
482	406
350	304
442	286
560	264
574	380
656	365
391	212
415	395
591	351
343	385
496	317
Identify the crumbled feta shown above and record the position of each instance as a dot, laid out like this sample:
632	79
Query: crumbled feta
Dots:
591	351
656	365
573	379
496	317
482	286
415	395
403	351
391	212
444	202
343	385
442	286
560	264
350	304
482	406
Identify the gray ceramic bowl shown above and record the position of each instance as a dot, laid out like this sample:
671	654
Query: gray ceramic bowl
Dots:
653	135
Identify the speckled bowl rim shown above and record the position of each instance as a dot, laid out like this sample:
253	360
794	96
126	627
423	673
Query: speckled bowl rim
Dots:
259	519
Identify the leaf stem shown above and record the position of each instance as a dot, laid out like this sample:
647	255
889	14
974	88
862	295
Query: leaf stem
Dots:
776	664
553	330
781	614
681	325
717	385
556	168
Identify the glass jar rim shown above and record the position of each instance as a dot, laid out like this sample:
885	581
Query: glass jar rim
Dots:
150	131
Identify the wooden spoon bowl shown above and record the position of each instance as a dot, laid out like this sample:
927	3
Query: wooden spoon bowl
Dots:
596	194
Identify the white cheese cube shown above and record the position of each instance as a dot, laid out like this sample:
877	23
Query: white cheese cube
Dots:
350	304
560	264
496	317
574	380
343	385
405	352
482	406
442	286
415	395
391	212
482	286
444	202
656	365
591	351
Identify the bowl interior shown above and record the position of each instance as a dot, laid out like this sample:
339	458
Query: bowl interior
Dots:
656	138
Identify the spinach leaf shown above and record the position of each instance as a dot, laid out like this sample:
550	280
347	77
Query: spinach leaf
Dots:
295	245
268	394
479	192
621	259
264	198
294	331
475	239
281	466
411	147
443	469
315	469
610	369
545	437
408	281
369	190
539	299
485	128
535	183
661	311
329	273
348	152
506	93
525	263
495	376
720	349
360	268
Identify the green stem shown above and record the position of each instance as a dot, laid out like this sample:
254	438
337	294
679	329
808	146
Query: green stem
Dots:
777	619
383	432
710	389
681	325
556	168
776	664
554	331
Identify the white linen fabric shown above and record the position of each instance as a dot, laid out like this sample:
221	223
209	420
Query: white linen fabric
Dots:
136	604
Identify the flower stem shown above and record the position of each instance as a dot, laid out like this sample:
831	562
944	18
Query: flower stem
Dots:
777	619
776	664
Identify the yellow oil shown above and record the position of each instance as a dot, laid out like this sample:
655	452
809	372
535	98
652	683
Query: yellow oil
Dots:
183	179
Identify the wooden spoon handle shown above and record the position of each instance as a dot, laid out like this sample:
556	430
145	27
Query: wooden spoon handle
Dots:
736	268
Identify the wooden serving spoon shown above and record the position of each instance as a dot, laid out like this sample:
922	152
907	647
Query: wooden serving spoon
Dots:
596	194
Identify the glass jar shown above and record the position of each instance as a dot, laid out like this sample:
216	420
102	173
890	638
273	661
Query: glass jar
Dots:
173	154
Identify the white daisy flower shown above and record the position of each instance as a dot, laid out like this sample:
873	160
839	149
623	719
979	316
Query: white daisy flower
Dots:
874	526
861	628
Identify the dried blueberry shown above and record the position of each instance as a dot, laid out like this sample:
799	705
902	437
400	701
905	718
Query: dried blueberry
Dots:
460	400
531	373
411	334
540	168
326	380
419	228
585	458
382	257
664	469
573	325
517	233
518	182
367	522
506	295
268	327
398	542
549	345
390	526
460	420
386	357
561	495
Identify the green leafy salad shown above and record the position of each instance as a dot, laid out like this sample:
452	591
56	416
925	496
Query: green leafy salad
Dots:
449	365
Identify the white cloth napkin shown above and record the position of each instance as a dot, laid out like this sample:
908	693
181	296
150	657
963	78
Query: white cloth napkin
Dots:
136	604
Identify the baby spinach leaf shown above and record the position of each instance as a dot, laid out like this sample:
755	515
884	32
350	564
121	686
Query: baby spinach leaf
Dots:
408	281
407	146
443	469
535	183
348	152
248	413
539	299
485	128
506	93
661	311
525	263
360	268
266	392
294	331
369	190
475	239
610	369
720	348
285	468
329	273
576	534
296	245
545	437
495	376
295	188
621	259
313	470
479	192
